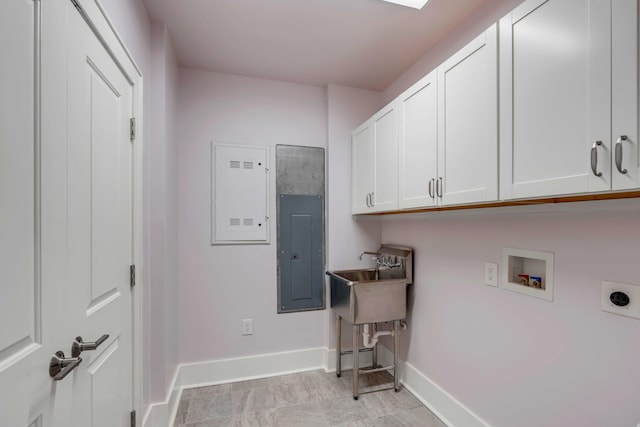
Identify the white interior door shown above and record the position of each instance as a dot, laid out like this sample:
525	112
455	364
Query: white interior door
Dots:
29	330
99	226
65	218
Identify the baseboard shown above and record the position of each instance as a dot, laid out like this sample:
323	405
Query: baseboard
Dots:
251	367
446	407
223	371
163	413
442	404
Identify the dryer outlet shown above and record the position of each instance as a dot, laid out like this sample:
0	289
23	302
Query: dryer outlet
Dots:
621	298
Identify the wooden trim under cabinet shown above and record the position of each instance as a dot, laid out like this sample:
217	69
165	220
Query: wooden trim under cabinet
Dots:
519	202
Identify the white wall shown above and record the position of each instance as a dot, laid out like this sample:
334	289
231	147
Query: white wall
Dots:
162	322
221	285
516	360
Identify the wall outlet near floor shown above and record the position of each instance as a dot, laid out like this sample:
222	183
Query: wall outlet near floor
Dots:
620	298
247	326
491	274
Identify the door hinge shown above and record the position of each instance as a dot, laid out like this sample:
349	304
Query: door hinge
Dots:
132	129
132	275
133	418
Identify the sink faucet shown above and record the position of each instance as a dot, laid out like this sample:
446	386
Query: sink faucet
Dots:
377	254
391	264
381	261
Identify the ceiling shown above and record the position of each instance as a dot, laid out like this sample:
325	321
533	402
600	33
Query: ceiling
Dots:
358	43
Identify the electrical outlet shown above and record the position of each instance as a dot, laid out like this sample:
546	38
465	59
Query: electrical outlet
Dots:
621	298
247	326
491	274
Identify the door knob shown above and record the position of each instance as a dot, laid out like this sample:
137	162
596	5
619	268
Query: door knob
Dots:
79	346
60	366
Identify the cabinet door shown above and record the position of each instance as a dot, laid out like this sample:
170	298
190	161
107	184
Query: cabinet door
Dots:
468	121
385	135
418	121
362	157
555	76
625	94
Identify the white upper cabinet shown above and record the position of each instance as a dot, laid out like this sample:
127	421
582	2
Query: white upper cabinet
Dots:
362	167
566	68
418	165
468	123
385	137
437	143
624	95
374	151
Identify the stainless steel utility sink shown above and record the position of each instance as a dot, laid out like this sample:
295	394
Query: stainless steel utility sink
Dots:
374	295
354	276
371	296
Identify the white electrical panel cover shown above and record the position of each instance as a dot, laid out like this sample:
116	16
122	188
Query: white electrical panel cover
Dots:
240	203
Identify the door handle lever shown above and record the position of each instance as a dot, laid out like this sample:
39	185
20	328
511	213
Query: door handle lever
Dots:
79	346
60	366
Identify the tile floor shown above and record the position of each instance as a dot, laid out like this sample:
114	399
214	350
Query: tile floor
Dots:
306	399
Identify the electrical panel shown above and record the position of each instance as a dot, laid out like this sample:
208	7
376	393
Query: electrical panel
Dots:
240	202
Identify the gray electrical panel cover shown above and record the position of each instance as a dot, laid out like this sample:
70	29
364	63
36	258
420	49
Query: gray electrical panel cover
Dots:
300	218
300	256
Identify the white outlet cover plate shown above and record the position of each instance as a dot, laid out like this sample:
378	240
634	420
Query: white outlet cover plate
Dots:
247	326
491	274
633	291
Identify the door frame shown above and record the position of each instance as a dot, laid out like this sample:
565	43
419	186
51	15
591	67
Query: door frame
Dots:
96	17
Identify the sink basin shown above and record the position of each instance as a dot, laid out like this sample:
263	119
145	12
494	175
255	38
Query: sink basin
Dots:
373	295
353	276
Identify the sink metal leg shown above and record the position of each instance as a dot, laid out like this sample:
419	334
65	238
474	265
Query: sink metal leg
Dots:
338	345
356	368
374	350
396	352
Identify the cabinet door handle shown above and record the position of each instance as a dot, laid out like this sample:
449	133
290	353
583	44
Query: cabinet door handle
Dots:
366	199
439	187
431	181
373	203
619	154
594	158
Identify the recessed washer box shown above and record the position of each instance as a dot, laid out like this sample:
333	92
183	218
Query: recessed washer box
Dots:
528	272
